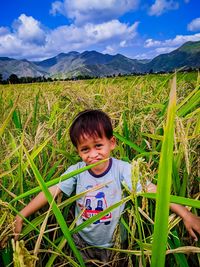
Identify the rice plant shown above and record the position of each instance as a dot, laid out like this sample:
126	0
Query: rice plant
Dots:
36	150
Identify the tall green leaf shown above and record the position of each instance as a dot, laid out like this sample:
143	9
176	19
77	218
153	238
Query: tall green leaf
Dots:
164	185
56	180
9	117
57	212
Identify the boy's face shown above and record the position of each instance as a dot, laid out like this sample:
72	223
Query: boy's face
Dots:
94	148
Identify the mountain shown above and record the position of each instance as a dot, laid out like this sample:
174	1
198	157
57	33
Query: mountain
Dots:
90	63
22	68
95	64
186	56
60	58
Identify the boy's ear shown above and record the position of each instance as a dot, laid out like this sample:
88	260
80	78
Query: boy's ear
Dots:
113	142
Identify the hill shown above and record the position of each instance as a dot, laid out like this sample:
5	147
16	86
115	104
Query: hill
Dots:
186	56
22	68
90	63
95	64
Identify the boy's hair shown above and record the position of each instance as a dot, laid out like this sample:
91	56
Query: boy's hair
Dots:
91	122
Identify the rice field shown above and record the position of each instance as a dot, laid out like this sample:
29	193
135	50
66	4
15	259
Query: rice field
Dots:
156	121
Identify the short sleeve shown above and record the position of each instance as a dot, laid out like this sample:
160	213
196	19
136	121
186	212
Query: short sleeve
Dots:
69	185
125	176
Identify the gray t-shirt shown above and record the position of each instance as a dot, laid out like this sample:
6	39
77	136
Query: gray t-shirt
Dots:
100	232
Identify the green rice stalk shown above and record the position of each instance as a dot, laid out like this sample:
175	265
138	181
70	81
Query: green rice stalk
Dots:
128	142
135	177
58	214
35	112
52	170
197	127
186	99
193	101
61	244
44	236
164	185
6	255
185	250
38	150
42	230
99	215
65	203
56	180
17	119
126	133
176	199
153	136
9	117
54	256
174	242
9	171
21	256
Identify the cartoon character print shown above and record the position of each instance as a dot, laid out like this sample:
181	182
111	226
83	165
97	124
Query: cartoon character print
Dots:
93	204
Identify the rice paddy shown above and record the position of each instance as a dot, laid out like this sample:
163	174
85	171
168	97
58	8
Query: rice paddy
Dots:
156	121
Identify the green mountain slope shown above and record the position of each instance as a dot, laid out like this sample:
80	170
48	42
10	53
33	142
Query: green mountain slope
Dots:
95	64
186	56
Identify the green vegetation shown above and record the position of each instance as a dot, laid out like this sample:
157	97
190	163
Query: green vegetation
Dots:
160	135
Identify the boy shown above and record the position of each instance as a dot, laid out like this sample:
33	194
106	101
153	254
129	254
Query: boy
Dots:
92	134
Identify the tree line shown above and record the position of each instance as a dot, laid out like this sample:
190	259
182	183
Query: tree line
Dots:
14	79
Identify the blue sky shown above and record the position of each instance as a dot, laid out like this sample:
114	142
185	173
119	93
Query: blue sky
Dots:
39	29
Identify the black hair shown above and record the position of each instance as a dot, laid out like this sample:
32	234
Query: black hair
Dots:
92	122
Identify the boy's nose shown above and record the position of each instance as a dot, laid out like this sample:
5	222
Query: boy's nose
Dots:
93	153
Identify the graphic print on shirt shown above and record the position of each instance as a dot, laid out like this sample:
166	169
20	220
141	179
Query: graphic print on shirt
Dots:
93	204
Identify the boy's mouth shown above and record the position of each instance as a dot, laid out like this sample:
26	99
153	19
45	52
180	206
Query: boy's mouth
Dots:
94	161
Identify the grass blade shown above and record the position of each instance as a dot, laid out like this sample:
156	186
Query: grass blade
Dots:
57	212
56	181
128	142
164	185
9	117
176	199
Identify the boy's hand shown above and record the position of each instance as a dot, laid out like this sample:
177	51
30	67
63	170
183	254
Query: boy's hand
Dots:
192	224
18	227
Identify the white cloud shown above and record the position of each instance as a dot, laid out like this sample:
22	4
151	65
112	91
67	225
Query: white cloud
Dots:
28	40
73	37
109	30
110	50
98	11
4	30
164	50
57	7
29	30
123	43
175	42
162	6
156	47
147	55
12	46
194	25
152	43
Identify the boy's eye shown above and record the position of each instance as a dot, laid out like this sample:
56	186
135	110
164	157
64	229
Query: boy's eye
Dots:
99	145
84	149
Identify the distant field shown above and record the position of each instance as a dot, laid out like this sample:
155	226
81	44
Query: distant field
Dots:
36	118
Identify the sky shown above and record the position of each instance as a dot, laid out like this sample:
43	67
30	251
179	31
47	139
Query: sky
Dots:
40	29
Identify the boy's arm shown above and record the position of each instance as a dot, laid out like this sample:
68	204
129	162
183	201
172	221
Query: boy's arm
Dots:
34	205
190	220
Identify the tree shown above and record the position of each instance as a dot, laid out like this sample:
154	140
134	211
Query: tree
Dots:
13	78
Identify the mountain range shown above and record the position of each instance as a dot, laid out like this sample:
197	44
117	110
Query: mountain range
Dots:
95	64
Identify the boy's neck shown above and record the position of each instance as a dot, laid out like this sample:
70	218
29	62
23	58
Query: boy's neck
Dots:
98	174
